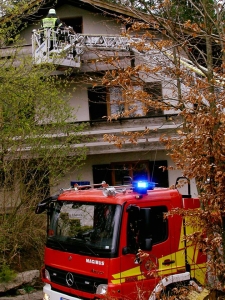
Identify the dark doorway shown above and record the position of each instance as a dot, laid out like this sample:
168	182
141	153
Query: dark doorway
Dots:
159	173
97	102
102	173
76	23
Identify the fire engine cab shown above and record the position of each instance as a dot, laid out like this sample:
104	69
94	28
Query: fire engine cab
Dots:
95	232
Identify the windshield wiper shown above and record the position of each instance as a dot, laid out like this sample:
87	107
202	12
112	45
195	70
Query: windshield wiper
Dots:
53	239
81	241
91	251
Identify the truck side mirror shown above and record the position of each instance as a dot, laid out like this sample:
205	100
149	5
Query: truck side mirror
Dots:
43	205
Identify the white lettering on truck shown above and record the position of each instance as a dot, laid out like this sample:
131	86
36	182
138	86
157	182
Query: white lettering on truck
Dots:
94	262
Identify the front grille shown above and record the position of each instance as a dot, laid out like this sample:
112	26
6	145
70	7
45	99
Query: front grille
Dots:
82	283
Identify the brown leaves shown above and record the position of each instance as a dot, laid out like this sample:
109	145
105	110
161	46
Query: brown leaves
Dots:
125	136
193	27
197	93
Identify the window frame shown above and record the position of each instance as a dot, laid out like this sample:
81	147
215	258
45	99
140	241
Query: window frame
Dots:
117	109
130	169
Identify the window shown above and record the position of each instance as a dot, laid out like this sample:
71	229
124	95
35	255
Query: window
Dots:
142	226
119	103
135	170
89	227
114	101
158	224
118	173
154	89
7	179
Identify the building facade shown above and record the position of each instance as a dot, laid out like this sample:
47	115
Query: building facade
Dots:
96	103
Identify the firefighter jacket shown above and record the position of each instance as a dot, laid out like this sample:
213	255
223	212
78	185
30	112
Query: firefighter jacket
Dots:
51	22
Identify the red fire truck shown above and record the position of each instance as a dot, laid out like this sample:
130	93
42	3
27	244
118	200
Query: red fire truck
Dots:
94	235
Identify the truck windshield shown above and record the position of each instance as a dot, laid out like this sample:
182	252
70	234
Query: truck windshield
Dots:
85	228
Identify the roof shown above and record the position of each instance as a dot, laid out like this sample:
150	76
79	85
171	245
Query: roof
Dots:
101	6
121	197
112	9
35	9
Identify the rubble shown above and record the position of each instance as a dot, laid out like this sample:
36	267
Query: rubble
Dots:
38	295
15	288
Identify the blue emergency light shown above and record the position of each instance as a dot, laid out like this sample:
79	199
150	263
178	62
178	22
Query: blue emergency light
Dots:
80	183
142	186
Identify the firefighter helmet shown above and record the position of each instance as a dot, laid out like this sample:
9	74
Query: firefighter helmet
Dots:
52	11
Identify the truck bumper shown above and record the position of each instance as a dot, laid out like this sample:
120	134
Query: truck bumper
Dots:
48	294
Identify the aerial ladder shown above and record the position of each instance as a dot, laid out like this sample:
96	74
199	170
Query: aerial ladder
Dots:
64	47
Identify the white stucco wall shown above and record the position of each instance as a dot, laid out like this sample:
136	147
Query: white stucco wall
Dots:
79	102
93	23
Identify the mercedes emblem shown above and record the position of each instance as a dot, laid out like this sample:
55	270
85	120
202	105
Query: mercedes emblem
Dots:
69	279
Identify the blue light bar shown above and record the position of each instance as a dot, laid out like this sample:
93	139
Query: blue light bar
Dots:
72	183
142	186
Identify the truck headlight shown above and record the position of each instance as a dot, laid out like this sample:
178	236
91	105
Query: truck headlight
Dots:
46	296
47	275
102	289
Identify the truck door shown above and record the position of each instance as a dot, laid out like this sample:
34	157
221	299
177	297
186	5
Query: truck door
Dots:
148	229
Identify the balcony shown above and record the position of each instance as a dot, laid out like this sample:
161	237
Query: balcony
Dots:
157	125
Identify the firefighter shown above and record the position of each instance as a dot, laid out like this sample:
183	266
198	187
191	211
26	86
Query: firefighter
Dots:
53	22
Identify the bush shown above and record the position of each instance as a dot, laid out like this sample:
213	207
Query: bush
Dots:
6	274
